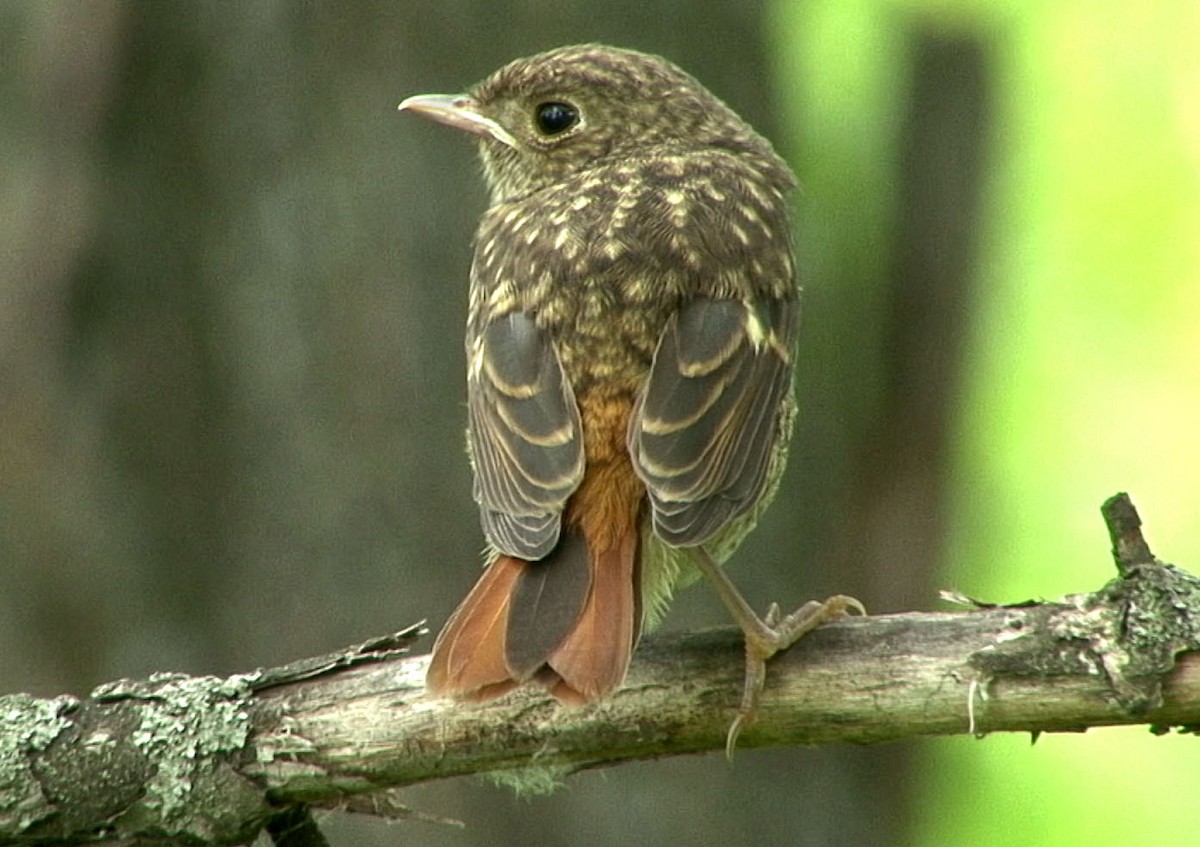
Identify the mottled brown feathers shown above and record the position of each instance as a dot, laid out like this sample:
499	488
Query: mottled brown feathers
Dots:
632	311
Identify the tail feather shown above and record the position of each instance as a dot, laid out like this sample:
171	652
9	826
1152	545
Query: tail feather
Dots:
547	601
468	657
594	657
568	622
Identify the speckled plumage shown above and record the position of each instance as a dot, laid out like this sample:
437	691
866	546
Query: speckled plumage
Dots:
618	246
633	308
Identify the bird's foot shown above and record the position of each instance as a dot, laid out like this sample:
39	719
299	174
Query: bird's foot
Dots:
768	635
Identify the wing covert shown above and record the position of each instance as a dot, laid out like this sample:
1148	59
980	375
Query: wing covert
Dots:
704	427
525	435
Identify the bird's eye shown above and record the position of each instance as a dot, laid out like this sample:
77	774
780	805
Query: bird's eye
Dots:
554	118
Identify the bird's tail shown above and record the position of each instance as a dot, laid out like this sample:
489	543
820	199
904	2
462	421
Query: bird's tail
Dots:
569	621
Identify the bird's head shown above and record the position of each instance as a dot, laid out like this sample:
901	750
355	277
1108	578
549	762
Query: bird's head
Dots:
545	118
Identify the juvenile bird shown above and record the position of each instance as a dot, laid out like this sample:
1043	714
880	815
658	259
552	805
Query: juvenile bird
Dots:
632	316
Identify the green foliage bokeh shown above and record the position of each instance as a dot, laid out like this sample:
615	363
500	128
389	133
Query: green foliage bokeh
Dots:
1083	371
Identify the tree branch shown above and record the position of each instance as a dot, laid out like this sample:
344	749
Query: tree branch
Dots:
214	761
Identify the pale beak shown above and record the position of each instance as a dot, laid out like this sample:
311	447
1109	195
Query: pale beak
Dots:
460	111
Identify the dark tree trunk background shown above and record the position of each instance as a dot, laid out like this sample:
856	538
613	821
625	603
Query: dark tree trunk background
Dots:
232	290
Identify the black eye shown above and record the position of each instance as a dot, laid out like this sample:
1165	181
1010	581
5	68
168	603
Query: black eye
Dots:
553	118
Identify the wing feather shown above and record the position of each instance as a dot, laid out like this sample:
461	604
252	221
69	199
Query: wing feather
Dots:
706	422
525	436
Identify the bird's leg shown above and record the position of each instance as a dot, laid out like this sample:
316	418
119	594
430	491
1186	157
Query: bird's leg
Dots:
767	635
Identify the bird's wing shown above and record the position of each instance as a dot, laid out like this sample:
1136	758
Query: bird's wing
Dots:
526	439
702	433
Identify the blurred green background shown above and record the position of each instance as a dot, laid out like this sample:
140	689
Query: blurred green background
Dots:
232	290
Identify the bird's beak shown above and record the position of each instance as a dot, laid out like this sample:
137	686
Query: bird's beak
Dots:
460	111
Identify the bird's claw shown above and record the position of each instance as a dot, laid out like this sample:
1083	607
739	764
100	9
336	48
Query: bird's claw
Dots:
769	635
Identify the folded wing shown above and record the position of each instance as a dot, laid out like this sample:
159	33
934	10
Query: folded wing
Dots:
702	433
525	436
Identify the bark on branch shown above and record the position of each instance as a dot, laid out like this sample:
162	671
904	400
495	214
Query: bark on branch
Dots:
213	761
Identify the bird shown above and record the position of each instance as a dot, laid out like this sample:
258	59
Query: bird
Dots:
632	318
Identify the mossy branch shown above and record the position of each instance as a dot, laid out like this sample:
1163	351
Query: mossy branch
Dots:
214	761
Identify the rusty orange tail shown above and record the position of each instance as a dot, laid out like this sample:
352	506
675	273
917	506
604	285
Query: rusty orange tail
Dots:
569	622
